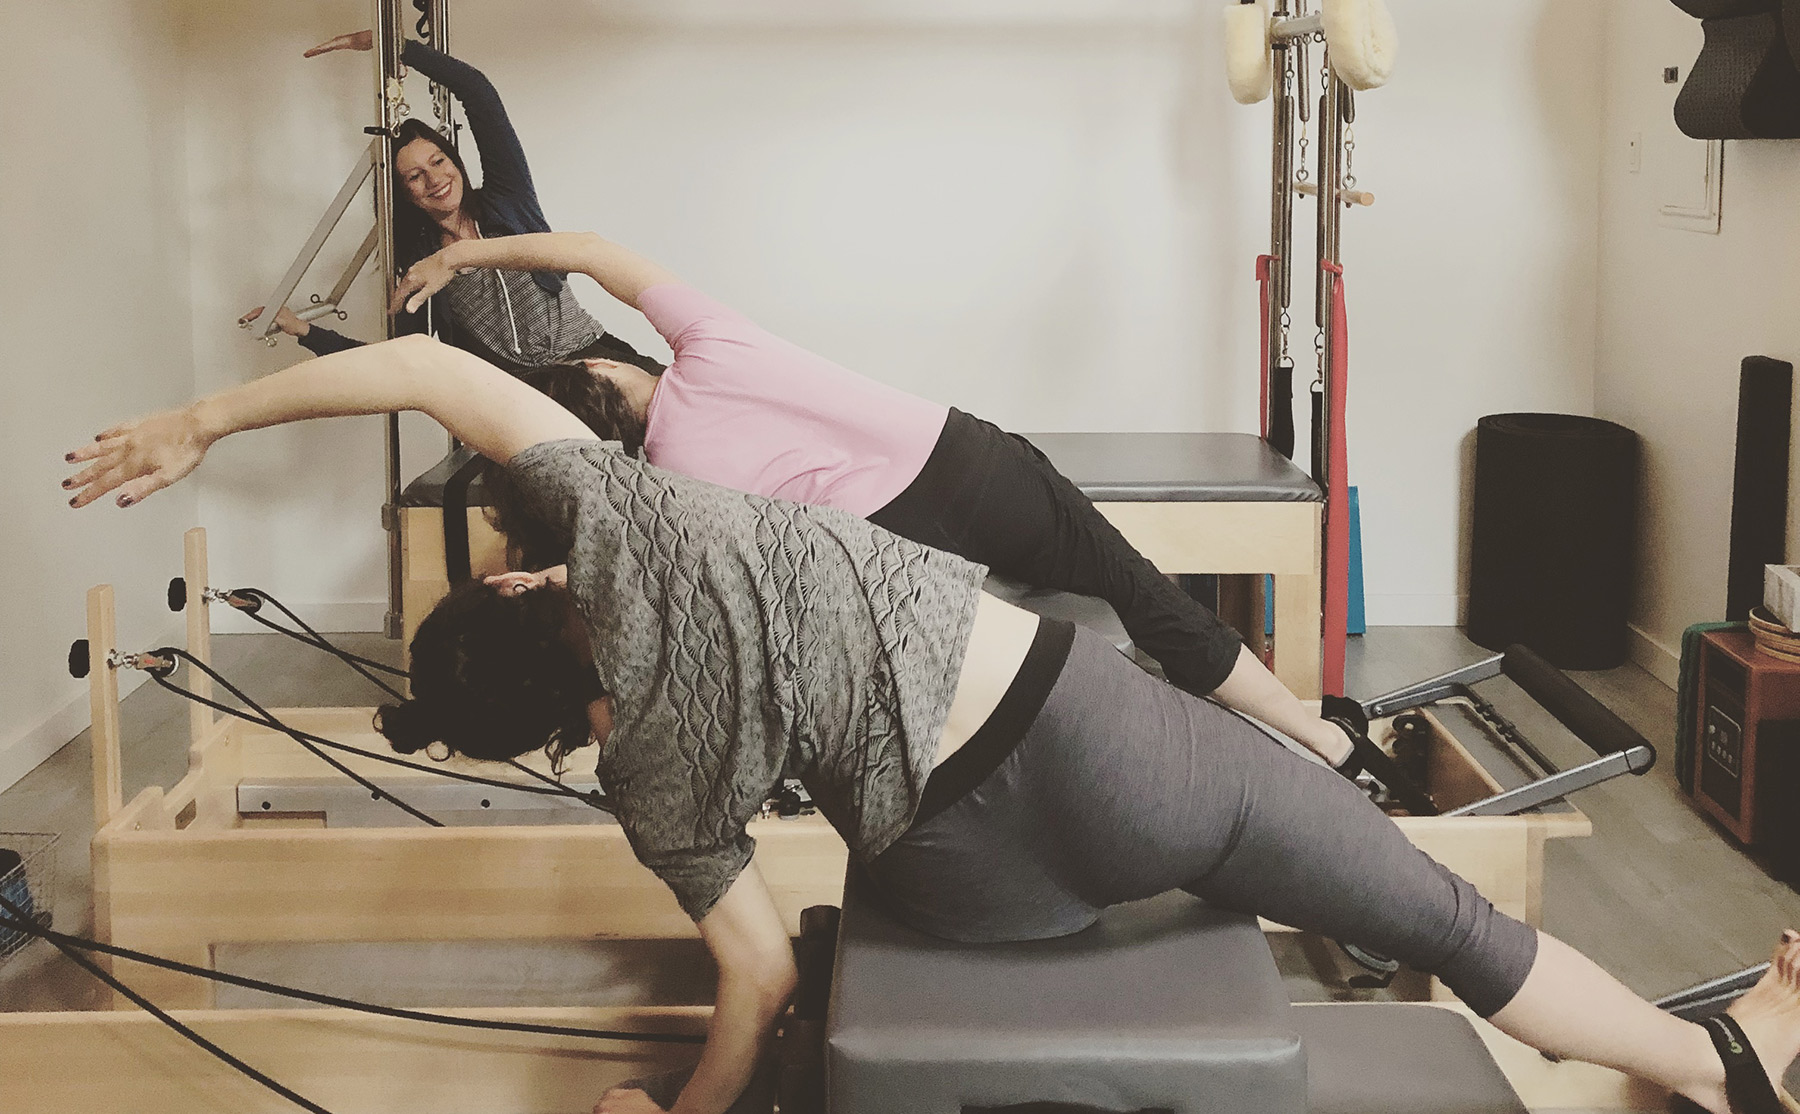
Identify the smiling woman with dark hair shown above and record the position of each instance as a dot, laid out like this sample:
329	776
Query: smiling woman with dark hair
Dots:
514	319
1001	776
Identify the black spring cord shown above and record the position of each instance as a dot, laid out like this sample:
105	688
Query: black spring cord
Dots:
10	919
310	637
313	638
271	722
161	677
15	919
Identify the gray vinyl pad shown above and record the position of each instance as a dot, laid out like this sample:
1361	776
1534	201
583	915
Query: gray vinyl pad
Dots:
1164	1005
1177	468
1107	467
1394	1058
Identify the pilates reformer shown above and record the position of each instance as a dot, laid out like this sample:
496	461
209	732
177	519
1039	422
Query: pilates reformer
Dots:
1104	1027
235	852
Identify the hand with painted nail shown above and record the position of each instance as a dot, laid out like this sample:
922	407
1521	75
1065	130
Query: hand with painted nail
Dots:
139	458
285	320
355	40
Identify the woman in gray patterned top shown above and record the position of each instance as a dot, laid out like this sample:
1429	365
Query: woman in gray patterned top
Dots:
1001	777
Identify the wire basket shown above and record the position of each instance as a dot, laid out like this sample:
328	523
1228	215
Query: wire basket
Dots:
27	882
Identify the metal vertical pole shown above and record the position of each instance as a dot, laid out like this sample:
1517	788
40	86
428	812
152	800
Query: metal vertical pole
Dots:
1281	202
388	38
437	12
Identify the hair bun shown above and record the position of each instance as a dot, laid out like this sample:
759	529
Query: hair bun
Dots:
408	727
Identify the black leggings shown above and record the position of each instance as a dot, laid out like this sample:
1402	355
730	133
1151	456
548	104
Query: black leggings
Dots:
993	498
1123	788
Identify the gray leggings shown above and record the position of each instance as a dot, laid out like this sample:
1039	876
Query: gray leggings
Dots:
1125	787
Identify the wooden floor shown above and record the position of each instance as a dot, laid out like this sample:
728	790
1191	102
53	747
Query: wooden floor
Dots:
1658	895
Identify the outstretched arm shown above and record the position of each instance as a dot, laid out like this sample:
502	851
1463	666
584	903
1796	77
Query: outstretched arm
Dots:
495	414
624	273
756	978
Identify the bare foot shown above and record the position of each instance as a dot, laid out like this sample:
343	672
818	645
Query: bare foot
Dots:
1770	1014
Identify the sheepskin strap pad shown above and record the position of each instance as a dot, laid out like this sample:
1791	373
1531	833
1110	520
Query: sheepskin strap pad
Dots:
1249	68
1360	36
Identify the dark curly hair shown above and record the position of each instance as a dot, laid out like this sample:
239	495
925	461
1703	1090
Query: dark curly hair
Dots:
492	679
595	399
601	406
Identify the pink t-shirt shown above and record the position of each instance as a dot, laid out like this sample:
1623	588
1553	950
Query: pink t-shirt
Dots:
747	410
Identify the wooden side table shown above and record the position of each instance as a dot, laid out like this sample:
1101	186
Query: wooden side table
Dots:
1747	750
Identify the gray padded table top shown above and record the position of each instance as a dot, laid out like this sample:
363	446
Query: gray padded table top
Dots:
1163	1005
427	489
1177	468
1394	1058
1107	467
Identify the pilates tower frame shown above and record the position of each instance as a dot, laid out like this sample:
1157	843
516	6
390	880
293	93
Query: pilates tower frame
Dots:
1335	109
388	36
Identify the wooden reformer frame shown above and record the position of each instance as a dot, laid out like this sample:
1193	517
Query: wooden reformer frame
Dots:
54	1063
180	870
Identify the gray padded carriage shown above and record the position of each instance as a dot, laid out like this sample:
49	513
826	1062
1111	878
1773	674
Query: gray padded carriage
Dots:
1164	1005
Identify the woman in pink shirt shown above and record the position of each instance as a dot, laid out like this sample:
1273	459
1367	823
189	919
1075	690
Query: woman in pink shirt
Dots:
744	409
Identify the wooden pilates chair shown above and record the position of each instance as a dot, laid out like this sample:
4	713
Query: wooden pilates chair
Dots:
1218	503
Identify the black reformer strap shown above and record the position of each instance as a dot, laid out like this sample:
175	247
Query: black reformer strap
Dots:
13	920
160	676
456	519
254	599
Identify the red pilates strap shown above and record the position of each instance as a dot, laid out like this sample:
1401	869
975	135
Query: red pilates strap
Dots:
1337	494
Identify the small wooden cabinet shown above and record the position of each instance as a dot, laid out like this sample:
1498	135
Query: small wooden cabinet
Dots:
1747	742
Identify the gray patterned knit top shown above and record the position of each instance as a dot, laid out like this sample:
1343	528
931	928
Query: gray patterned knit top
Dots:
740	635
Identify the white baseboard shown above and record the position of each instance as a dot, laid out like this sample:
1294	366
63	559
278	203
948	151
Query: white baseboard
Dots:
1400	609
1658	660
344	617
25	751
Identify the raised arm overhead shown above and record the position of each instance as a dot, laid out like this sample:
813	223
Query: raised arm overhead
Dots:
624	273
490	411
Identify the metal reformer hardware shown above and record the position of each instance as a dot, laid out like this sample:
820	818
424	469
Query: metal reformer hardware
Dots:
148	662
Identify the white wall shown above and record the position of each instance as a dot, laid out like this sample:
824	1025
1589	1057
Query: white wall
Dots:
1678	312
1044	213
94	328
